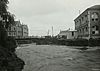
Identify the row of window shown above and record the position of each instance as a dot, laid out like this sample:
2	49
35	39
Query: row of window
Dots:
85	23
79	24
14	29
11	29
83	30
13	34
10	33
96	19
95	32
81	19
95	27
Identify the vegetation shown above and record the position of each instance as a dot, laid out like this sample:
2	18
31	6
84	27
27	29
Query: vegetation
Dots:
8	59
7	17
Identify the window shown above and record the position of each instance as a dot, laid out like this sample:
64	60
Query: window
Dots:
9	28
92	19
94	16
82	18
85	15
64	37
9	33
14	33
80	30
86	28
96	19
80	21
93	32
72	33
97	28
93	26
14	28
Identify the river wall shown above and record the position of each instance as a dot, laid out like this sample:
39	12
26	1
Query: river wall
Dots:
55	41
70	42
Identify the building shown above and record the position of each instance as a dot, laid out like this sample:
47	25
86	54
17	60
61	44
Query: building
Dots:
24	30
12	31
87	23
18	30
68	34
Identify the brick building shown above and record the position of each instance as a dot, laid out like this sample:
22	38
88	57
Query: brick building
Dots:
87	23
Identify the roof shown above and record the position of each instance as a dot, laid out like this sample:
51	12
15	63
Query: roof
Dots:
17	23
95	7
90	8
63	32
68	31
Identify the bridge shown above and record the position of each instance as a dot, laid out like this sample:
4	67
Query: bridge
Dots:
38	40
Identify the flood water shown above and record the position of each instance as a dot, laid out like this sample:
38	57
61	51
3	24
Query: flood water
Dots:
59	58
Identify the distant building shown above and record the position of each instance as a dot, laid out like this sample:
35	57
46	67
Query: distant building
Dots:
68	34
87	23
24	30
18	30
12	31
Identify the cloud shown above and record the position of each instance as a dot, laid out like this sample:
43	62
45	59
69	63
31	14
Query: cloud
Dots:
36	7
41	15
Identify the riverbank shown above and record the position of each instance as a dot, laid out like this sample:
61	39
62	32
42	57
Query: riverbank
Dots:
55	41
70	42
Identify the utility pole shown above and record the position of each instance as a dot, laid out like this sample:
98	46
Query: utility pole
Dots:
48	33
52	31
79	12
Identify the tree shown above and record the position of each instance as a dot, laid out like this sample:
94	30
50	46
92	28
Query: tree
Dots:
3	6
8	59
8	18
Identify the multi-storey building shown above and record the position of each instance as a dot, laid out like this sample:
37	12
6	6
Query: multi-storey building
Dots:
24	30
12	31
18	30
87	23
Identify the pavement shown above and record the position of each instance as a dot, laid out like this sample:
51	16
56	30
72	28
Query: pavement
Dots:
59	58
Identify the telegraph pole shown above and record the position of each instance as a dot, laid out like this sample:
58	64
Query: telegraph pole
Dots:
79	12
52	31
48	33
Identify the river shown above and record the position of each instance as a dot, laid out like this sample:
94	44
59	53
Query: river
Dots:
59	58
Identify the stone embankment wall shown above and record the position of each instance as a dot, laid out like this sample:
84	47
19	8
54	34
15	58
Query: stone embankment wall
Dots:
80	42
68	42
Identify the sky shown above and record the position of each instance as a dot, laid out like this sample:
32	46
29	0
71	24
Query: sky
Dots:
42	15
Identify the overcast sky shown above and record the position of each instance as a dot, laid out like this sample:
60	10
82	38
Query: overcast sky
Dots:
41	15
